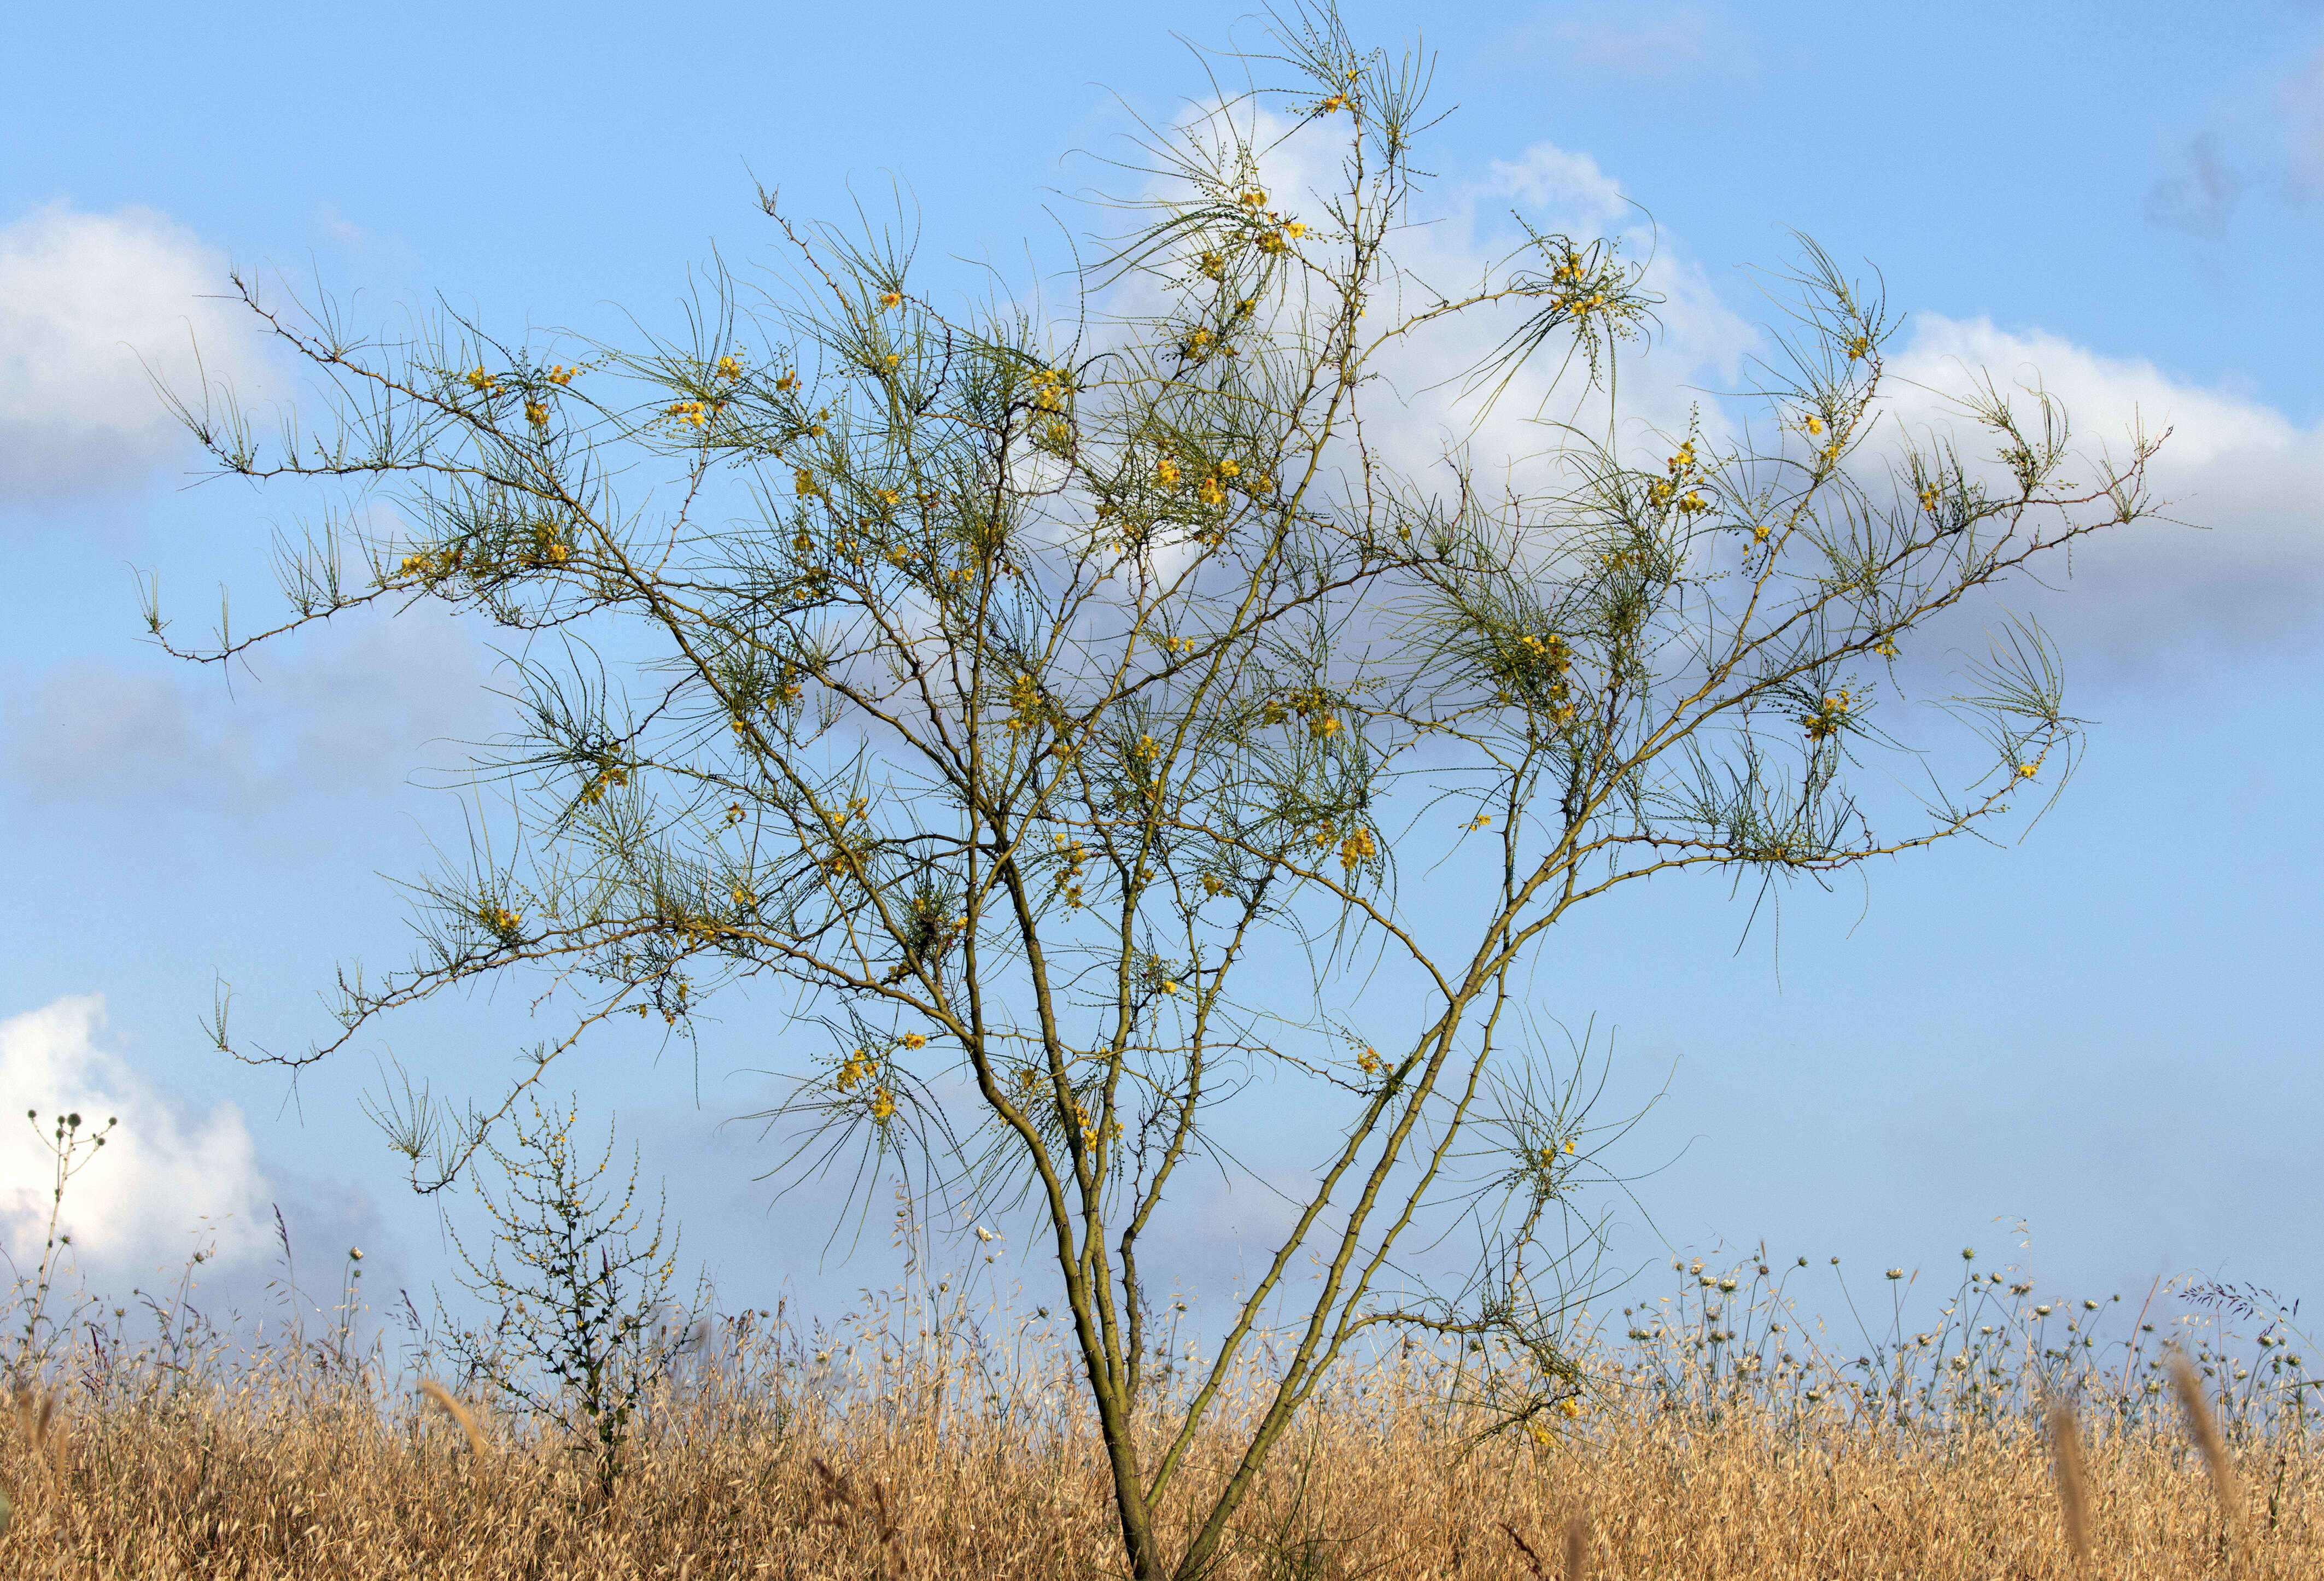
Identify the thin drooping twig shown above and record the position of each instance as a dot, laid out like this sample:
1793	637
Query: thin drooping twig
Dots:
1532	1560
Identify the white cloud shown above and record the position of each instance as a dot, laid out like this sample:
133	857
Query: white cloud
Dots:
82	296
2231	464
2238	469
167	1175
2241	470
1546	176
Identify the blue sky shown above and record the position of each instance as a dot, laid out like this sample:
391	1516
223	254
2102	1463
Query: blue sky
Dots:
2106	1030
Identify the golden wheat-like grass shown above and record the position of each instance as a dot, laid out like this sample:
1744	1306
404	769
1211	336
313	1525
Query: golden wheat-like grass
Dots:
2073	1492
933	1466
458	1412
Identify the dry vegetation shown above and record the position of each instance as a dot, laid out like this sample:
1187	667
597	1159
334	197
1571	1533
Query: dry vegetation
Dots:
910	1443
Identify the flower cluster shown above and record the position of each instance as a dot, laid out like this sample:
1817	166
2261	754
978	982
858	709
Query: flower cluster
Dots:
1826	720
609	776
1071	855
855	1070
1047	387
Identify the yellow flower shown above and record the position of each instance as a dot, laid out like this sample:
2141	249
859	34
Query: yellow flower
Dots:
1859	347
1214	265
483	383
2028	770
804	480
914	1040
893	358
1325	728
1571	1405
727	368
1356	848
1814	424
1170	987
1296	229
882	1106
1254	197
1338	101
1166	473
536	414
891	299
1210	492
1929	498
557	375
1693	504
1370	1063
789	382
1212	884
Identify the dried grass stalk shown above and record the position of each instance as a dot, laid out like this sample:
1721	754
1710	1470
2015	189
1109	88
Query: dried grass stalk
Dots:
457	1413
2204	1428
2073	1492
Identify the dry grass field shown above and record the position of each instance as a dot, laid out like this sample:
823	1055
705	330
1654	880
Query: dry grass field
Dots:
910	1443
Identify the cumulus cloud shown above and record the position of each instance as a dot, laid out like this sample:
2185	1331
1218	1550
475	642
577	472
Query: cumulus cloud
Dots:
82	297
2231	464
1699	340
2243	474
356	713
166	1176
2238	469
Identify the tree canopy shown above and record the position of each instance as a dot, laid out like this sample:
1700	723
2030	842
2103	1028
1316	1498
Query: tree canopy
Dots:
1066	710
